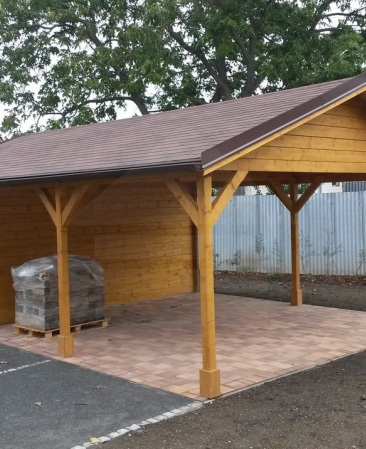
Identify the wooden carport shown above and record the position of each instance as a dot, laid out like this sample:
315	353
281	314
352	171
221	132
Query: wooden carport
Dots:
91	174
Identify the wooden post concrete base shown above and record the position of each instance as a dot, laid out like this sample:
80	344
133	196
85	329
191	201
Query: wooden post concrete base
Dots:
210	383
296	297
66	345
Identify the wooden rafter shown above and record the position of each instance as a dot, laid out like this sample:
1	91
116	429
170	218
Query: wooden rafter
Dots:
185	198
226	193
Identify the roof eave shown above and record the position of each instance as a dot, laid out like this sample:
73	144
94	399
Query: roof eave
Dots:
185	166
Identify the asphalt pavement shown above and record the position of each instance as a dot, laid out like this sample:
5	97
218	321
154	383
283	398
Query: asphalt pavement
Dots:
45	403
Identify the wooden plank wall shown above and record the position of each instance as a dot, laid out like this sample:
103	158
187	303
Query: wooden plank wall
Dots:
332	142
26	233
140	234
142	237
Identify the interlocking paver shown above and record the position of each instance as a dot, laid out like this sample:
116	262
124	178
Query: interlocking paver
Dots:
158	344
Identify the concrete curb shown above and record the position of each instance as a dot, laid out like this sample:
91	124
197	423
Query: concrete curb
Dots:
167	415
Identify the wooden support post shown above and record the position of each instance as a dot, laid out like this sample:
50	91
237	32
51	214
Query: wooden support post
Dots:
296	293
204	215
65	338
294	205
62	211
209	374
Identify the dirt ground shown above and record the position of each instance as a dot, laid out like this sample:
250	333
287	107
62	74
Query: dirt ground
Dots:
345	292
324	408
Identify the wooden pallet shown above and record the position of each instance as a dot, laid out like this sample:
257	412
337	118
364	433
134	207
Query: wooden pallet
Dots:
49	333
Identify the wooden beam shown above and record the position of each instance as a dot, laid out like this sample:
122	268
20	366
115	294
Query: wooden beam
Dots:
47	201
281	194
314	167
185	199
262	178
65	339
226	194
209	374
300	203
296	293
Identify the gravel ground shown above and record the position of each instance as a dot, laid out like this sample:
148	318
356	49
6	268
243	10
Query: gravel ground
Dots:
324	408
345	292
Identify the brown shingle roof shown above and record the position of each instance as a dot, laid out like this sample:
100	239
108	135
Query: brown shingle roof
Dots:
193	136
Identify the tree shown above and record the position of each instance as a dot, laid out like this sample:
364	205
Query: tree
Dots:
75	61
236	48
66	63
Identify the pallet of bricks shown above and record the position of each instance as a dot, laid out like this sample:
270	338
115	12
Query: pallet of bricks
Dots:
36	295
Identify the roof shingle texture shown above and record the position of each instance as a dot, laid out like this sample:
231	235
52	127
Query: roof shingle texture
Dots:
173	137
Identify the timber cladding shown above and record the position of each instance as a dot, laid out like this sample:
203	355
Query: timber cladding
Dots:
143	238
138	232
334	142
26	233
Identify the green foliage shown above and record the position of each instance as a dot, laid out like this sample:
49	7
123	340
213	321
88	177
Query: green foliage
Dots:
301	188
76	62
67	63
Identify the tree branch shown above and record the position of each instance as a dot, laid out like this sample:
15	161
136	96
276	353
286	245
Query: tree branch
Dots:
136	100
224	5
179	39
139	103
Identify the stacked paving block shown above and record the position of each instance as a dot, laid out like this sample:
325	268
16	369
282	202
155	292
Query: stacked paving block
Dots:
36	292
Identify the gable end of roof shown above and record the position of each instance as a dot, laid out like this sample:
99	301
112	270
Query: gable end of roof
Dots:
281	122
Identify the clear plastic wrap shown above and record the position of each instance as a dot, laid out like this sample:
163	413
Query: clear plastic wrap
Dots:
36	292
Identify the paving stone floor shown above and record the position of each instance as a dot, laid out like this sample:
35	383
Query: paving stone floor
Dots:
158	343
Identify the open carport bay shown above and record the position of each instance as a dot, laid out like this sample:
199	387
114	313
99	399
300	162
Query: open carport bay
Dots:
47	403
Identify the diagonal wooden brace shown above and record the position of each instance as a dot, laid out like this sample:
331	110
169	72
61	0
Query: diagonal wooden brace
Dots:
48	203
185	199
74	204
281	194
227	193
300	203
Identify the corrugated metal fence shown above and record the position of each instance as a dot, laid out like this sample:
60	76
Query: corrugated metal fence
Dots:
354	186
253	234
